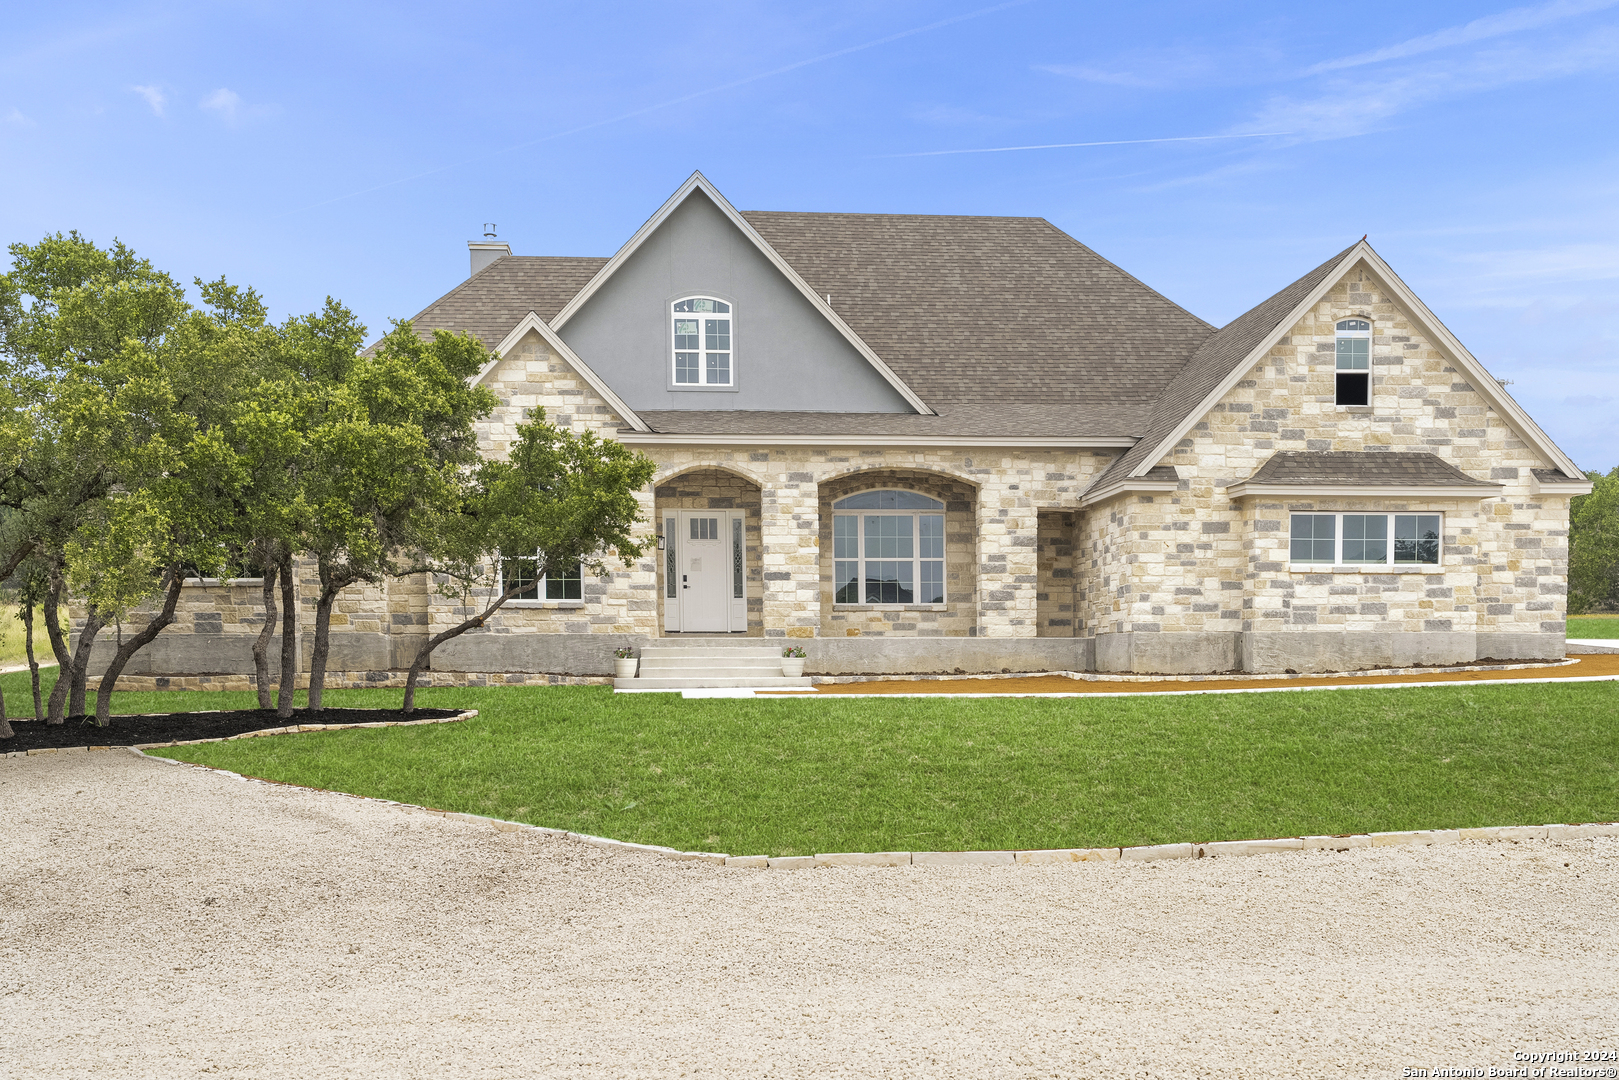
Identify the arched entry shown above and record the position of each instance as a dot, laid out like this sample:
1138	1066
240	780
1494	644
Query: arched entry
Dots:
708	568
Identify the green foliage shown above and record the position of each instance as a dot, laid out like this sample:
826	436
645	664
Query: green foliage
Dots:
1593	545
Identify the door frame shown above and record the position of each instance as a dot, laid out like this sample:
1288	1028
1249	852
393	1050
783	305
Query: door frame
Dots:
734	527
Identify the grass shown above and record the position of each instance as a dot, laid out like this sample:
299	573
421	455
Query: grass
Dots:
1593	626
12	652
797	777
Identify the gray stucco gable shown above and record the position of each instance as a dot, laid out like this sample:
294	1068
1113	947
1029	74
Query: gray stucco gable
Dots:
786	355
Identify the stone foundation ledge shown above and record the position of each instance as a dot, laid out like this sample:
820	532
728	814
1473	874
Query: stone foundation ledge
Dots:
1092	676
290	729
1032	857
353	680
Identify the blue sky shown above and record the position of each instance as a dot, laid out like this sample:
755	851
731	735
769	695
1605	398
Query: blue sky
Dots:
352	150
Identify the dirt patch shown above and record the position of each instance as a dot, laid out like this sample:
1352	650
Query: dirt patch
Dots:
1058	684
185	726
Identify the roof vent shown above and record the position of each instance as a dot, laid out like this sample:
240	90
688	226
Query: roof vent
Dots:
488	249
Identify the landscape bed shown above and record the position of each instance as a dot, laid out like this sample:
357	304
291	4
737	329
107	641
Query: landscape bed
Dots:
842	774
145	728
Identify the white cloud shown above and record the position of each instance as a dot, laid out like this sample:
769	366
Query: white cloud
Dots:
1351	105
154	95
1097	75
227	103
15	118
1506	22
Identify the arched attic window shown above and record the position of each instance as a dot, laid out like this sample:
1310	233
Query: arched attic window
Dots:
1354	353
888	548
702	339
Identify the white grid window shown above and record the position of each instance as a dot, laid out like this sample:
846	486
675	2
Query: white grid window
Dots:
890	553
1353	350
1366	539
566	583
702	336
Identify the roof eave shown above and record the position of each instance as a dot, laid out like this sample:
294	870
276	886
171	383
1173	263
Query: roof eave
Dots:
658	438
1126	486
1554	487
1392	491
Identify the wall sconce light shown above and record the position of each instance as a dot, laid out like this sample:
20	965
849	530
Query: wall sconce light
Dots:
660	541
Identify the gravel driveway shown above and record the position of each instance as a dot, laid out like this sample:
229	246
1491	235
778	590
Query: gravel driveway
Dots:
158	921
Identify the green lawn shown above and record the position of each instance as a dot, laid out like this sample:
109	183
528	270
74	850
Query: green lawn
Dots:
1594	626
797	777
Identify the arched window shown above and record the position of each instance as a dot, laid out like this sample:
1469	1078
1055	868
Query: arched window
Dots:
702	332
890	550
1354	350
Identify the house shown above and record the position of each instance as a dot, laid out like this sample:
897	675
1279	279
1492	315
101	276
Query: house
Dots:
971	444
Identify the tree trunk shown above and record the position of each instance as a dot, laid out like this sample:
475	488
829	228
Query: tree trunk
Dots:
261	644
81	660
289	640
33	662
64	658
127	649
322	647
420	663
5	725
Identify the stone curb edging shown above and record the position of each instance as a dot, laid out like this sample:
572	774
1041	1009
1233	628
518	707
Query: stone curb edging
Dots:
1091	676
1033	857
291	729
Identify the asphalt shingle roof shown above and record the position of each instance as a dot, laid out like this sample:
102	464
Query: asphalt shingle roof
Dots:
495	299
1362	468
969	420
989	309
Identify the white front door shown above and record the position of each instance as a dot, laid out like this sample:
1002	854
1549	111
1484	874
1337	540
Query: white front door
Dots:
704	565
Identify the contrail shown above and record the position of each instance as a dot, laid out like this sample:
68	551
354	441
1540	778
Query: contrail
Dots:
1109	142
682	100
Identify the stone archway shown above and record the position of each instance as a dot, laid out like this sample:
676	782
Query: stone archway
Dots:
728	494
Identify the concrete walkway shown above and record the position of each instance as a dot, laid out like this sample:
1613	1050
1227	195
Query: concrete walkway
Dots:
158	921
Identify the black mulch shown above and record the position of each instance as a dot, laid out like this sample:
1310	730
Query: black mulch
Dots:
183	726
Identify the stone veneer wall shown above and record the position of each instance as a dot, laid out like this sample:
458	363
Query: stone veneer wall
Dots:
716	489
1196	562
957	616
1057	600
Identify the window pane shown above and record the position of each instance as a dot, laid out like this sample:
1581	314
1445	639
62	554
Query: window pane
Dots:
888	500
568	584
1354	354
846	583
721	306
845	541
1354	324
1312	538
669	573
686	305
1354	388
932	583
736	559
718	334
685	367
523	573
1366	538
686	334
719	369
889	537
1416	538
889	582
930	536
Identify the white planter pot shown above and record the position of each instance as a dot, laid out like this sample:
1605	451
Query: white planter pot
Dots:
624	668
792	666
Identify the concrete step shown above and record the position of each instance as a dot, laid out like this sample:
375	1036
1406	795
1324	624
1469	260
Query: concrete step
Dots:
696	652
711	673
757	682
709	661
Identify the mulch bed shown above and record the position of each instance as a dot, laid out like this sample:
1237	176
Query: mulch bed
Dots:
184	726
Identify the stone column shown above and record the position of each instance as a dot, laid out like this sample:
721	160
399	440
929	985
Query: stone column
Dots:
790	554
1008	556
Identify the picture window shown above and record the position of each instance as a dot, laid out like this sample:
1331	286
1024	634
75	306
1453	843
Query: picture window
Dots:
892	552
566	583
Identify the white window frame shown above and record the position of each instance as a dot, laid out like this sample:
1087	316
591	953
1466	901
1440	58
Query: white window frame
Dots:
1353	335
1388	564
541	585
703	351
916	559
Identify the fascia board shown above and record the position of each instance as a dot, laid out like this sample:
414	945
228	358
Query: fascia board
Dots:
1128	487
532	321
1391	491
1283	328
1482	381
697	181
642	437
1572	487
